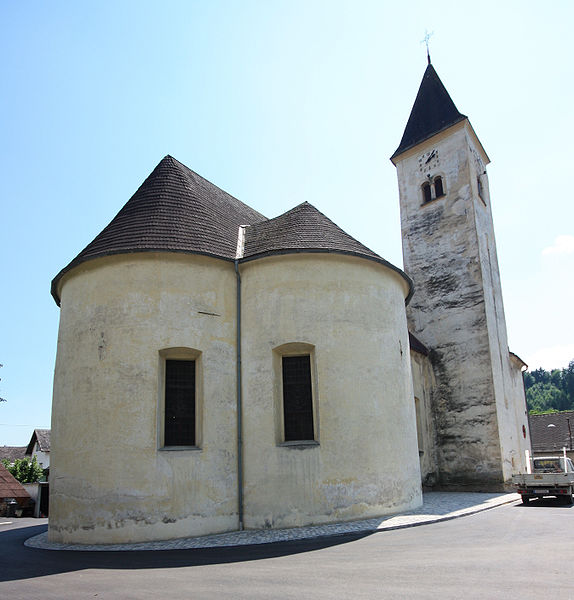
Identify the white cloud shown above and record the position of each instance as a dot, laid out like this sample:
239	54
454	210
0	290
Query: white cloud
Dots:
556	357
563	244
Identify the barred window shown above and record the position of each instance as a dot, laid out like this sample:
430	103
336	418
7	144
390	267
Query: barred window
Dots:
297	398
179	423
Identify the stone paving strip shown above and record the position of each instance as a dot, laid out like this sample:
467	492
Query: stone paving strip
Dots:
437	506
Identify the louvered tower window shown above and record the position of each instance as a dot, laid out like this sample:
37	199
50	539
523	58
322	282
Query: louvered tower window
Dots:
427	194
438	188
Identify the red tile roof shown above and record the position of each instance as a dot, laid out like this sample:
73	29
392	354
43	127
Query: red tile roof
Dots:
10	487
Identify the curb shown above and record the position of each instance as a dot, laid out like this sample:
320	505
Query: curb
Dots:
437	501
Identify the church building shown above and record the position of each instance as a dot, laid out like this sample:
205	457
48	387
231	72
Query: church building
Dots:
218	370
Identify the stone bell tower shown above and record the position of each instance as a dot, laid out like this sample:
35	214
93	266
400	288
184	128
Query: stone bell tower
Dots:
449	251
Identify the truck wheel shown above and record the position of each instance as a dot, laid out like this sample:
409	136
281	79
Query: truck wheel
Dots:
525	499
567	499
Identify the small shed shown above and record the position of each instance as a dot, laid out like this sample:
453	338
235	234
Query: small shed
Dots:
13	496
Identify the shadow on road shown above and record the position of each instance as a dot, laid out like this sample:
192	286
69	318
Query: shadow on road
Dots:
20	562
547	502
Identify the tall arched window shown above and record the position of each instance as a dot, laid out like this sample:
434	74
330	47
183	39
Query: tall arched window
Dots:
427	194
438	189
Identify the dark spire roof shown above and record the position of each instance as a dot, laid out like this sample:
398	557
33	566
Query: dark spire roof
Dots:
432	112
174	210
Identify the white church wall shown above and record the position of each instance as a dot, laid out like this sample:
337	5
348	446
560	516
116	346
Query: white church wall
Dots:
109	481
509	393
448	311
351	313
423	386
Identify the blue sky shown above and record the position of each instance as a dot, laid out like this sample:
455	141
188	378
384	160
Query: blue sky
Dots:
276	102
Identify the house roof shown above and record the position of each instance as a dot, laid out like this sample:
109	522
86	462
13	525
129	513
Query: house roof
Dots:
432	112
174	210
42	436
177	210
552	432
9	486
417	346
11	453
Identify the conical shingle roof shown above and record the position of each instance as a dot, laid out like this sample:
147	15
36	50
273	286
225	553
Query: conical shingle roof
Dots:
174	210
306	229
432	112
301	228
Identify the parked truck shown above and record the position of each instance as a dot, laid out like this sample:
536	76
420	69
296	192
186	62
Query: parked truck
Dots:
546	476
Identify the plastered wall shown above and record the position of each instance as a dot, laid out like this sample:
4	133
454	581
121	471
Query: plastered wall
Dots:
351	313
457	310
109	481
113	481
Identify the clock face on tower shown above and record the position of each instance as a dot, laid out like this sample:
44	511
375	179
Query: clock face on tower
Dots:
428	161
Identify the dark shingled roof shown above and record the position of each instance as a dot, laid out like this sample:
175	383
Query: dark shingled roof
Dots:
42	436
11	453
174	210
306	229
302	228
432	112
550	433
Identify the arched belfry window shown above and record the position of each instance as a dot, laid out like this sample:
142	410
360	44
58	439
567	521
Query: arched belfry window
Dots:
438	189
427	193
432	189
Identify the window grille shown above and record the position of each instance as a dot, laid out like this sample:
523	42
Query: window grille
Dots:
179	403
297	398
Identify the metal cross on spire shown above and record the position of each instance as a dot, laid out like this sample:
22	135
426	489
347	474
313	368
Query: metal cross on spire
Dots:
425	40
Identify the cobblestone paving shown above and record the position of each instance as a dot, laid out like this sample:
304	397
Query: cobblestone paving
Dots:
437	506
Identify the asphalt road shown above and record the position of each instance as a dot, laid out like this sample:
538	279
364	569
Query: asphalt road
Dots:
512	551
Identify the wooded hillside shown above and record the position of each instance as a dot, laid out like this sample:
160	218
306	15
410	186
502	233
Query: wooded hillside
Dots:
550	391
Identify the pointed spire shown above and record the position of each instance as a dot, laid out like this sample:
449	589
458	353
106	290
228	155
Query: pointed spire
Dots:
432	111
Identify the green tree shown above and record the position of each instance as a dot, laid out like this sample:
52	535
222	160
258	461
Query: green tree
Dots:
25	470
568	380
550	391
541	376
546	397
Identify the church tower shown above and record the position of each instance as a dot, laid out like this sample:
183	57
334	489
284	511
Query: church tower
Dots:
457	312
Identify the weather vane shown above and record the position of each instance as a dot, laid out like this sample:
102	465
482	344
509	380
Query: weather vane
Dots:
425	40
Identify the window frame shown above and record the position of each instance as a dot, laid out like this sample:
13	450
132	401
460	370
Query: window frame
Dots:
180	354
285	351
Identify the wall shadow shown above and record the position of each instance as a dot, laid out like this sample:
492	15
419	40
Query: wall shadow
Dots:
20	562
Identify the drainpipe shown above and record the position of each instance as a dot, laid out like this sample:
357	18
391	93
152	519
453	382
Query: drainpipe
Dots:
238	255
239	404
